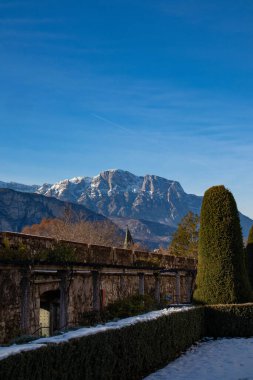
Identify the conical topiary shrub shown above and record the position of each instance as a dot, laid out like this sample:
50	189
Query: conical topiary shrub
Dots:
222	276
249	251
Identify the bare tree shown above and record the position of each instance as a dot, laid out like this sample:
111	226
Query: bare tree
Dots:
91	232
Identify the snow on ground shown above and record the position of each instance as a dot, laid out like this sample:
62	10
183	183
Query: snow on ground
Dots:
222	359
12	350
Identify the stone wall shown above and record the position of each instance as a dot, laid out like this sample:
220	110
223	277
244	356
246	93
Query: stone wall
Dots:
94	253
10	303
104	275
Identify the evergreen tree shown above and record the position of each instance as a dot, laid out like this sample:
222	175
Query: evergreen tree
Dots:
185	239
249	254
128	242
222	276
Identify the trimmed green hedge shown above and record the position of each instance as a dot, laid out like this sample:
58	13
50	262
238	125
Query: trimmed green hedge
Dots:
222	277
249	255
131	352
126	354
229	320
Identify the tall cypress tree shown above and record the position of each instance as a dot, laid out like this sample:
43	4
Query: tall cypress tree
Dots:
249	251
222	276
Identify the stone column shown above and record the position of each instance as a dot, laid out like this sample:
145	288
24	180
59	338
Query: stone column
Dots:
157	287
141	284
25	322
122	286
178	290
188	280
51	323
96	290
192	285
63	274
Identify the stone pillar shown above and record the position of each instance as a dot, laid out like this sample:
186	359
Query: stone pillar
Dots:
188	280
141	284
25	300
192	285
63	274
178	290
122	286
157	287
52	317
96	290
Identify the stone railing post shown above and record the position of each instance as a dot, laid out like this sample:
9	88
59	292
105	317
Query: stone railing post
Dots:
122	285
178	288
25	287
64	298
96	290
141	284
157	287
192	285
188	282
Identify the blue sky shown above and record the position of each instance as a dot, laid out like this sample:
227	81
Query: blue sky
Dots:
157	86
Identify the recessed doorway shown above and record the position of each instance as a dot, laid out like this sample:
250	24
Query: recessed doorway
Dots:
49	312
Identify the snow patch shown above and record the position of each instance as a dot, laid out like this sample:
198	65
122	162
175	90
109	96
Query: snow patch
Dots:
214	359
77	179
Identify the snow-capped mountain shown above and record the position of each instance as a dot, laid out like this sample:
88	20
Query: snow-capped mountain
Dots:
19	187
118	193
152	206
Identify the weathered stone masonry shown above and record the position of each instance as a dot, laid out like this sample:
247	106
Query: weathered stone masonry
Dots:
33	290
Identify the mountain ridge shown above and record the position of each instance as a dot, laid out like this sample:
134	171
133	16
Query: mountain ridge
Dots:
152	205
19	209
118	193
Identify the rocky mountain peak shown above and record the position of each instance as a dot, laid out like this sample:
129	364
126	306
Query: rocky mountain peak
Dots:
116	180
161	186
119	193
148	202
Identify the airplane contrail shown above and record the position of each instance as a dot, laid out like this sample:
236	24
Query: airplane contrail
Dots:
111	122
